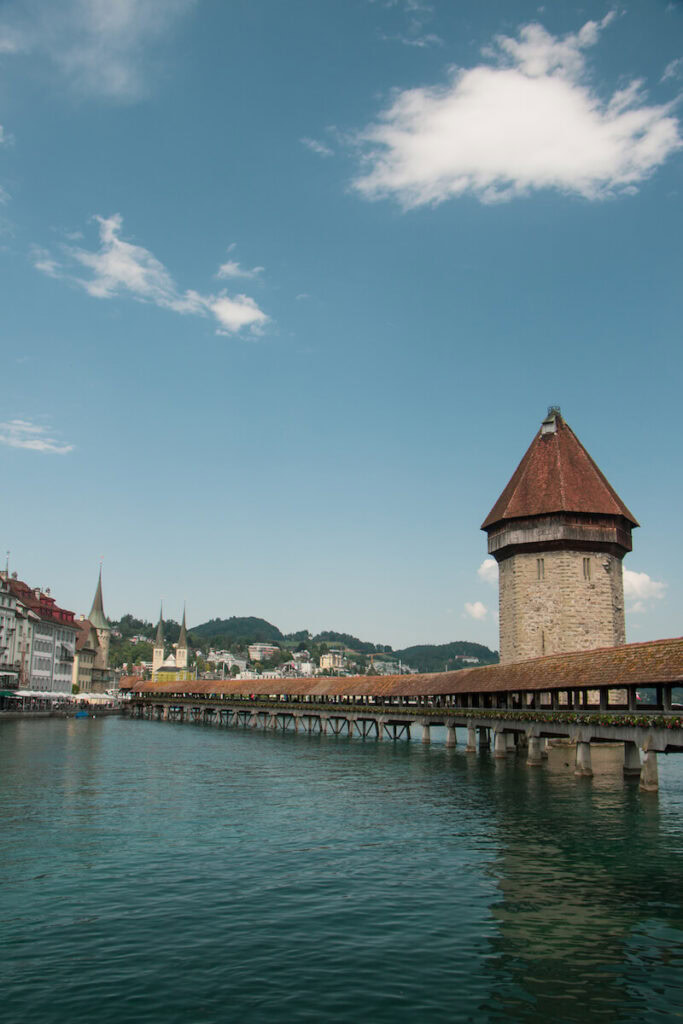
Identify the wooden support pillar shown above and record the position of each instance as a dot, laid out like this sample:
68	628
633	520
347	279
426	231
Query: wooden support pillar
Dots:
499	745
484	738
583	760
666	698
426	738
631	759
632	702
510	742
649	776
534	754
604	698
471	746
379	729
451	738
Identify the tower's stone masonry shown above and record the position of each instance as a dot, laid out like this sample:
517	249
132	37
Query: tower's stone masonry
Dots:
558	601
559	533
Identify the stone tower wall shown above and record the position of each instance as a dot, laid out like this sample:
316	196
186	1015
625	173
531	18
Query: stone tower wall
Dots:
181	657
563	610
102	654
157	658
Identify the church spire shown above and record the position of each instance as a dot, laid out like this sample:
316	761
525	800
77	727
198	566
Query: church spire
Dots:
97	616
181	651
160	628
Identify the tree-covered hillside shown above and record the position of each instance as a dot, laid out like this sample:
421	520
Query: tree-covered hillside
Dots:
222	632
444	657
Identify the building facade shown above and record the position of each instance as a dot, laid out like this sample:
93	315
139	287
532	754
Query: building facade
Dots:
16	637
559	533
91	672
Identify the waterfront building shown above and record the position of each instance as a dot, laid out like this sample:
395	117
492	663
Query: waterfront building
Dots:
16	636
91	672
559	533
52	643
86	648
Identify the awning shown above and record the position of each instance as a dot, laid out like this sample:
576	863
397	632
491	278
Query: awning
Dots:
8	693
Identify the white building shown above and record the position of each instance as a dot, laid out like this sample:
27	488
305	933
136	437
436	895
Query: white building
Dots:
16	636
262	652
47	637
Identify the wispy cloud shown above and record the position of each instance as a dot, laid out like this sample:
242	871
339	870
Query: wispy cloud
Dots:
476	610
674	69
233	269
100	46
525	118
25	434
317	147
417	16
488	571
118	267
642	590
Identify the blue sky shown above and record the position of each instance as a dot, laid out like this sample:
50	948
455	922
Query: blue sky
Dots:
287	289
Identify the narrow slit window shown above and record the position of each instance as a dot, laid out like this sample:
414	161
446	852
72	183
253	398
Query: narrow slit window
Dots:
586	568
540	568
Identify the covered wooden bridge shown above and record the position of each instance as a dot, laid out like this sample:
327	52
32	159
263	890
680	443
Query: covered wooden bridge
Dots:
616	694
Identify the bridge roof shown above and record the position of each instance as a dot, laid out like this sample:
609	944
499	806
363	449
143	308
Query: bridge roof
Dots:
642	664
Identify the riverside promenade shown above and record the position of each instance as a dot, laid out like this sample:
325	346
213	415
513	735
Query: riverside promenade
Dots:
612	695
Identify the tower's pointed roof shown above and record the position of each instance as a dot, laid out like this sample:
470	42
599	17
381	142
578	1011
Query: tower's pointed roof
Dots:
159	642
182	639
97	616
557	475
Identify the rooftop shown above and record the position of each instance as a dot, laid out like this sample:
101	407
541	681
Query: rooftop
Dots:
557	475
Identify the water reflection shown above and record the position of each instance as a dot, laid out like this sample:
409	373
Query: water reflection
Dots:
583	867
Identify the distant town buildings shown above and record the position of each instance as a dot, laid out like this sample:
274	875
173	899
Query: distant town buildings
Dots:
262	652
332	660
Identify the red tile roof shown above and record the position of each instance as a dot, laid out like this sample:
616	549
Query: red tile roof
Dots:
557	475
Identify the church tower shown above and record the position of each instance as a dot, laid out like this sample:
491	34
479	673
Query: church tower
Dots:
559	533
181	652
158	650
102	627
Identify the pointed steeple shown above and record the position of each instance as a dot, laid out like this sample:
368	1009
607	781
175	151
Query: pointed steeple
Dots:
557	475
160	629
182	639
97	616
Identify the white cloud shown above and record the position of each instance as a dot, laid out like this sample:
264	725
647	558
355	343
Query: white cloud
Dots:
476	610
99	45
488	571
24	434
118	267
673	69
642	590
524	118
317	147
233	269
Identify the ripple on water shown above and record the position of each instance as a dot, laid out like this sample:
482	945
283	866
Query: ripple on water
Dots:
164	873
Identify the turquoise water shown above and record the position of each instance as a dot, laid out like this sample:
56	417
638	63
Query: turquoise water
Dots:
156	872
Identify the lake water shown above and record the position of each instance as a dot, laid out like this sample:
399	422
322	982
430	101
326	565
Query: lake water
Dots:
157	872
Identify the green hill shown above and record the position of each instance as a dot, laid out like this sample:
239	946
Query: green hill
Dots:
226	631
442	657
